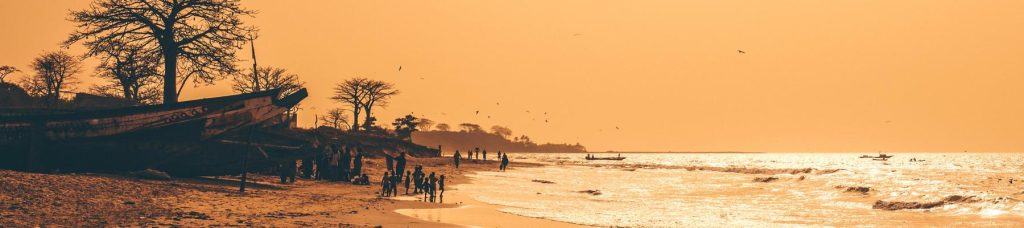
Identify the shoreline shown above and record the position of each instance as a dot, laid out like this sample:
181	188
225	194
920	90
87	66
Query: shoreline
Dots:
468	212
93	199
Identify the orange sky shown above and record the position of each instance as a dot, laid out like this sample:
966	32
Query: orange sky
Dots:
930	75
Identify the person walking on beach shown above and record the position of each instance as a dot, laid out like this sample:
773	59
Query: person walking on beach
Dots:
433	186
504	161
417	177
477	153
407	182
455	158
425	188
440	185
395	180
485	154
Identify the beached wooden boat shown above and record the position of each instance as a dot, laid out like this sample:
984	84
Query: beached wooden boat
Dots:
132	138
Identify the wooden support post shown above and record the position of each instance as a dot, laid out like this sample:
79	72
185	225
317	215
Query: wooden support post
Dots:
36	143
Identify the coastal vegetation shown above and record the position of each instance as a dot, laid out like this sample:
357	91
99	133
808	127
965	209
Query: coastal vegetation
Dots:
471	136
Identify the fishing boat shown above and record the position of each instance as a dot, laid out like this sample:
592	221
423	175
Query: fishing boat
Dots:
880	157
617	158
171	137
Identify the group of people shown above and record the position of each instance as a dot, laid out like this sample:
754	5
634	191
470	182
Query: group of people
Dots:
432	186
457	157
332	162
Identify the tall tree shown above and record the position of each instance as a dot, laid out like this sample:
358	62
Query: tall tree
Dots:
269	78
55	72
405	126
6	70
443	127
377	94
351	92
203	34
133	73
504	132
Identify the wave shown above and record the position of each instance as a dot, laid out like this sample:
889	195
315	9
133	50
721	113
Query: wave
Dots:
900	205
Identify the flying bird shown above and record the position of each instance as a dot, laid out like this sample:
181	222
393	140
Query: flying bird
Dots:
478	112
616	127
741	51
545	121
488	117
399	67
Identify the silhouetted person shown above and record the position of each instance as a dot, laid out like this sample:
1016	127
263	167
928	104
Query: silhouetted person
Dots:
357	163
345	164
456	157
395	180
384	188
485	155
504	161
390	161
307	168
417	176
440	185
407	177
400	165
477	154
433	186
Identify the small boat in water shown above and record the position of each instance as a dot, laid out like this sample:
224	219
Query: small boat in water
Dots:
617	158
880	157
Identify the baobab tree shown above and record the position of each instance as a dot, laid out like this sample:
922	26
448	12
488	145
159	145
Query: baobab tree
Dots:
6	70
377	94
270	78
55	72
335	118
202	34
133	73
351	92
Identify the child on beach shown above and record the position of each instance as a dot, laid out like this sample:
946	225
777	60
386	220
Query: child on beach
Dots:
395	180
440	185
407	181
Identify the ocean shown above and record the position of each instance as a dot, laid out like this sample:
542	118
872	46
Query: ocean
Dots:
761	189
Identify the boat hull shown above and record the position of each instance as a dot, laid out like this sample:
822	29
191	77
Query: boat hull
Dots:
166	137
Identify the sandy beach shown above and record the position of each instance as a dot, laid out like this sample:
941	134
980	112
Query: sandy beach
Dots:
30	199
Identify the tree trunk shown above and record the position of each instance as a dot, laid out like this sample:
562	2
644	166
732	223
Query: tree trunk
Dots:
366	121
170	75
355	119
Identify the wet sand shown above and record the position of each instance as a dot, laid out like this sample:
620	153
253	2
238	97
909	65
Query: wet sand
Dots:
29	199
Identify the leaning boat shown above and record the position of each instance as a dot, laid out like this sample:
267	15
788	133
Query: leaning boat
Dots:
173	137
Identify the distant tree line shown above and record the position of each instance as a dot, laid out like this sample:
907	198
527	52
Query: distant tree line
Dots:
472	135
